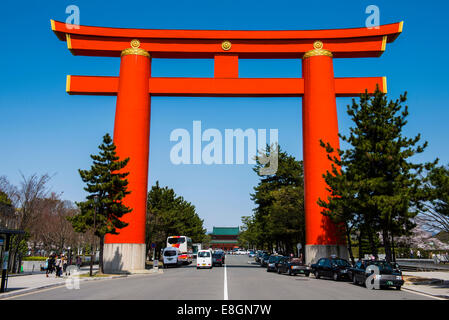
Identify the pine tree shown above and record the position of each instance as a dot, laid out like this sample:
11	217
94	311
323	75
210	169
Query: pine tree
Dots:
170	215
435	214
279	197
107	186
374	186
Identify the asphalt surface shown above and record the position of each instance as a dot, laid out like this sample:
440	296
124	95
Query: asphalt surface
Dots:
243	281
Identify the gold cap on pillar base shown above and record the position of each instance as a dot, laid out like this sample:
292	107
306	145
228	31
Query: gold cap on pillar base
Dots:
317	51
135	44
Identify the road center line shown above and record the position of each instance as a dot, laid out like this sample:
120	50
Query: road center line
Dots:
225	296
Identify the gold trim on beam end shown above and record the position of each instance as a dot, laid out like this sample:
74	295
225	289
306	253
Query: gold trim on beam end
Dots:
384	43
52	22
384	85
69	41
67	84
401	25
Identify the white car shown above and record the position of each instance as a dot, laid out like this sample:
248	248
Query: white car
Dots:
170	257
204	259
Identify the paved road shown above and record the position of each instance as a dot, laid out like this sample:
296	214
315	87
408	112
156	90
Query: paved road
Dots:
243	281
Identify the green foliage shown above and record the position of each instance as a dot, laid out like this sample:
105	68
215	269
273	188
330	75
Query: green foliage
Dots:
206	241
378	187
4	199
439	193
34	258
107	186
278	218
170	215
443	236
6	209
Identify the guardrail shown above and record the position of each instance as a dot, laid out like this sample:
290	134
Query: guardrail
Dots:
420	265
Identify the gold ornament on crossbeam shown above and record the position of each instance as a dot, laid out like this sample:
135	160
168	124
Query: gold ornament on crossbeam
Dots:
135	49
226	45
317	51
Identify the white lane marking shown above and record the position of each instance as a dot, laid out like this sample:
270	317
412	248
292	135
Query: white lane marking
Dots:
225	296
423	294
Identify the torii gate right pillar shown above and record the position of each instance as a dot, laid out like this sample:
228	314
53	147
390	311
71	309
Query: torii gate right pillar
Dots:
319	123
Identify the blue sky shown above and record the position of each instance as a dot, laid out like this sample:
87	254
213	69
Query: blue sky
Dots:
44	130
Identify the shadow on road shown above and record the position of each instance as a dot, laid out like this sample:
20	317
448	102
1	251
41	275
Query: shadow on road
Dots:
244	266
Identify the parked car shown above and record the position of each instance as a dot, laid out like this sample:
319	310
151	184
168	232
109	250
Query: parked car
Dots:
252	254
259	255
218	258
390	275
333	267
273	261
170	257
264	260
204	259
293	266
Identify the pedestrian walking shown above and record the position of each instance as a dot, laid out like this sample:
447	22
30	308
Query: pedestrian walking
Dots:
418	254
411	254
50	265
58	265
46	266
78	261
64	264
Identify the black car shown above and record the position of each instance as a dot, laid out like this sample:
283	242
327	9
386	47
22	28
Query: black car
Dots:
390	275
272	263
259	256
264	260
292	266
333	267
218	258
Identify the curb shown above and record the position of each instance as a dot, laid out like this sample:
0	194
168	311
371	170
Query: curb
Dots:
425	293
29	290
59	284
426	283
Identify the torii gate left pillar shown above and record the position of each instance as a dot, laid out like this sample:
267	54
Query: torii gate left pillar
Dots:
126	251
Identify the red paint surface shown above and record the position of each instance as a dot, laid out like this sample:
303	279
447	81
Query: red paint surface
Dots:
319	123
131	136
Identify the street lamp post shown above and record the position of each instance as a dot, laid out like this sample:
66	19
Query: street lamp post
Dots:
92	255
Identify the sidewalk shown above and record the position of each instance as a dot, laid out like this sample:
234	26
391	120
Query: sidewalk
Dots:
25	283
432	283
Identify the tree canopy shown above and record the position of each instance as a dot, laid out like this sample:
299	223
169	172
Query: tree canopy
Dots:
106	186
169	214
278	219
375	187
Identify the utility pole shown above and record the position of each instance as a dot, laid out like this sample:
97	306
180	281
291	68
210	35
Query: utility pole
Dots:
92	255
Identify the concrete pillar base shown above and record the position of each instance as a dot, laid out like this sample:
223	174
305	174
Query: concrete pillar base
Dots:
124	257
317	251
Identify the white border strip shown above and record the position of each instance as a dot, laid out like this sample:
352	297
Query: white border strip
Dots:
225	294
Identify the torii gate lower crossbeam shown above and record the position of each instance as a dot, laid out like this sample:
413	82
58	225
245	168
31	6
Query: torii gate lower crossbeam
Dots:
134	86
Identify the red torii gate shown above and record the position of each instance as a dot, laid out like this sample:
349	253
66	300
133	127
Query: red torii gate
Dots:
134	86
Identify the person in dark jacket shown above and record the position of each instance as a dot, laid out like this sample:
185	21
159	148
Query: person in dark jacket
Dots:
50	264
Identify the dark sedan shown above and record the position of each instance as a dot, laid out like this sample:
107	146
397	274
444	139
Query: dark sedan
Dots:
259	256
333	267
264	260
273	262
218	258
293	266
388	275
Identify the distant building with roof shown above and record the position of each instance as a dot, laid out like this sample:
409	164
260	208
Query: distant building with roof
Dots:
225	238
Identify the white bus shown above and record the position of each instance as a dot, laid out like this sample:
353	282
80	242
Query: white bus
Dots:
184	244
